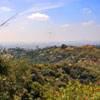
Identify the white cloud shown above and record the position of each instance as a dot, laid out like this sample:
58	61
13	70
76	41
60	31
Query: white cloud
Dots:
65	26
38	16
87	11
39	9
88	23
5	9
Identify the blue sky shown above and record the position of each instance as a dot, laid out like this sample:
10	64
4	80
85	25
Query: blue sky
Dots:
50	20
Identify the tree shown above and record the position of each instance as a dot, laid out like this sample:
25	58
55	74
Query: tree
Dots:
63	46
13	75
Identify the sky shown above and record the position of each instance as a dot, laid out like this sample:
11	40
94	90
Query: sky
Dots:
50	20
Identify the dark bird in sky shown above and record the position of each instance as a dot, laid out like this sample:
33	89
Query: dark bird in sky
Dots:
50	32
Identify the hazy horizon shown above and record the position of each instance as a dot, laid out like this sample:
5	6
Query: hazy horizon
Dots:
35	45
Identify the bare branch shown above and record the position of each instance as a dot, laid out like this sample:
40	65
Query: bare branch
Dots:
2	24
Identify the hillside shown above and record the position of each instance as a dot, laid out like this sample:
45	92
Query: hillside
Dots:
53	73
84	55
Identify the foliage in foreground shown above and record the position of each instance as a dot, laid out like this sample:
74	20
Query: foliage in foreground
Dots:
76	91
21	80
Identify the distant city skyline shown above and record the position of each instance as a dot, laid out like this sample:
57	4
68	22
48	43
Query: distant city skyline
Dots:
50	20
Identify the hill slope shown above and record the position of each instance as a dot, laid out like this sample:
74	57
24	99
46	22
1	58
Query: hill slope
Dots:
54	73
84	55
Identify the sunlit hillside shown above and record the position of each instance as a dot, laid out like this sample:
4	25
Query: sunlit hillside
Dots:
53	73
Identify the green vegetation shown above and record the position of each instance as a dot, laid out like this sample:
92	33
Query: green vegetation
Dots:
54	73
